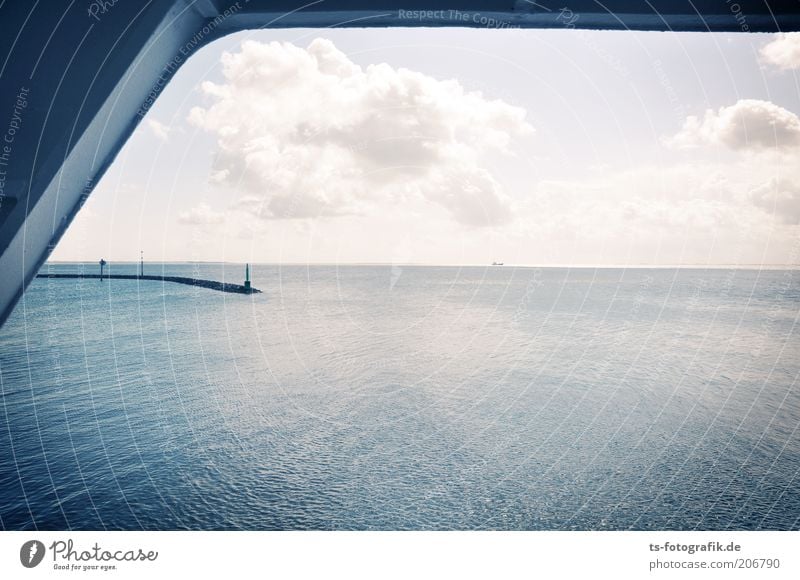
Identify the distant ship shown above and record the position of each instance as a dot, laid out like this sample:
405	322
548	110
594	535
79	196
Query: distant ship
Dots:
497	263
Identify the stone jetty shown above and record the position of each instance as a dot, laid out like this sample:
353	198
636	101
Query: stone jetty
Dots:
210	284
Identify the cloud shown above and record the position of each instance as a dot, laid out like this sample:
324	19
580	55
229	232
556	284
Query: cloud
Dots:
740	200
783	52
160	130
201	214
308	133
748	124
781	198
675	215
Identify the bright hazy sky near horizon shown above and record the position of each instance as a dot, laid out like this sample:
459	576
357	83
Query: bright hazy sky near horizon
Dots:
462	146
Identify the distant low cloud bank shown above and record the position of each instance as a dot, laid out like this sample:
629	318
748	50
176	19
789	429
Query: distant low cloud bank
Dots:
780	198
202	214
308	133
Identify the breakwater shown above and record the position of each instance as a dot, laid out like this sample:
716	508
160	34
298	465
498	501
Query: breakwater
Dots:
210	284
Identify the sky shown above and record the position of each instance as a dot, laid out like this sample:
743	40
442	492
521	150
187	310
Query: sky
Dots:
462	146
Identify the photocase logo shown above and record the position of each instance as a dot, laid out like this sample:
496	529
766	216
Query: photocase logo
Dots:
31	553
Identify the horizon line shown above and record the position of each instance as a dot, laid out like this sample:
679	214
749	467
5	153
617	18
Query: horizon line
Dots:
455	265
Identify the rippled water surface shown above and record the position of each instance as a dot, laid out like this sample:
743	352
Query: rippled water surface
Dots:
403	397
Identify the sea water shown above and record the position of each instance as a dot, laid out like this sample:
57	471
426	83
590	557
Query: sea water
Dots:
403	397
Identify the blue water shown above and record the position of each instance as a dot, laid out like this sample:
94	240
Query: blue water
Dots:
401	397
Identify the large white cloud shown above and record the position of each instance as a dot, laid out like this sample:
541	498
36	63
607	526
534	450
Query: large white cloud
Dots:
308	133
748	124
783	52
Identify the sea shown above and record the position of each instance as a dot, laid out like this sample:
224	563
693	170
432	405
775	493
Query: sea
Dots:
403	397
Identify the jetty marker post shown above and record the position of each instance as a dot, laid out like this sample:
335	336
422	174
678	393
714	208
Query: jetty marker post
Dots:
102	265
